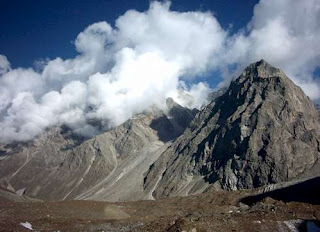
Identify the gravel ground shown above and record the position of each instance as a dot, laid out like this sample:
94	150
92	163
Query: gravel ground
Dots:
217	211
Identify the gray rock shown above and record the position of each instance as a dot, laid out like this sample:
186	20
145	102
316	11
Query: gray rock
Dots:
59	165
262	130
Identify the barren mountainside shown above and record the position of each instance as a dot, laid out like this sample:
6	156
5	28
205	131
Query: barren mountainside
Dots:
261	130
58	165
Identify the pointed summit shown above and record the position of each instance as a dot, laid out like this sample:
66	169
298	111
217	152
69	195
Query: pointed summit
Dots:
262	64
263	130
261	69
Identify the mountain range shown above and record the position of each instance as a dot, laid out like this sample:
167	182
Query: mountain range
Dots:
261	130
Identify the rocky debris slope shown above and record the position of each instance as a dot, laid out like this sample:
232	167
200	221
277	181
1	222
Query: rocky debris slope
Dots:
59	165
262	130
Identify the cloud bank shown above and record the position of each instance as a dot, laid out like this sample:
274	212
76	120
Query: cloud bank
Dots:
147	57
285	33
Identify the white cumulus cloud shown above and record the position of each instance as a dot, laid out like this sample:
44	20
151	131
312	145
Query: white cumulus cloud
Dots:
285	33
119	72
149	56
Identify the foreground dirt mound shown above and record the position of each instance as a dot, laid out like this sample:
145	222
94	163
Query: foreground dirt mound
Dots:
218	211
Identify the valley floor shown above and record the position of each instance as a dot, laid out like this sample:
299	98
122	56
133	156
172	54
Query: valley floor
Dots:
217	211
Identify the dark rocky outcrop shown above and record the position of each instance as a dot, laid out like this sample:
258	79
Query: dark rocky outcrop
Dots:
307	191
171	125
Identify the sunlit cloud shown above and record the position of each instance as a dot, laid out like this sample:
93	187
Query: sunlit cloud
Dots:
149	56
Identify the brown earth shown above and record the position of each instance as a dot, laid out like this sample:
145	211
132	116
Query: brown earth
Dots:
217	211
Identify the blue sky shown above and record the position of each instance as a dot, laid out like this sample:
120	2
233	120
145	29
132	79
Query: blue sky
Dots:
109	60
35	29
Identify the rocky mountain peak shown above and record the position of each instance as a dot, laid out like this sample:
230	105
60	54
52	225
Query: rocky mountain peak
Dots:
262	69
262	130
171	103
262	82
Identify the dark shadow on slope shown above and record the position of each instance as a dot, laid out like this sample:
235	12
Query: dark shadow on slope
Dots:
164	128
307	192
3	152
172	126
309	226
68	134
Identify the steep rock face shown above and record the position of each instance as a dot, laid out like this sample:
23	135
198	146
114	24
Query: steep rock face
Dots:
263	130
58	165
318	109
